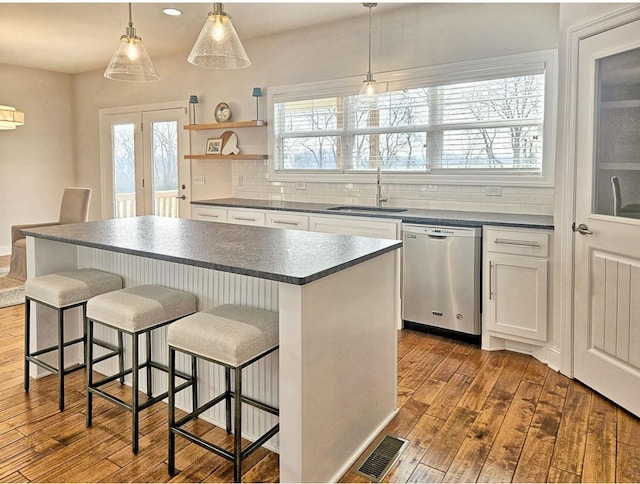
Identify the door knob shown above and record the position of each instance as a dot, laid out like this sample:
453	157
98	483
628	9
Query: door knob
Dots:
582	229
183	197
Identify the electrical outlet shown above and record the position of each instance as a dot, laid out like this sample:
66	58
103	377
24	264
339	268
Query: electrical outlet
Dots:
240	180
199	180
301	186
493	191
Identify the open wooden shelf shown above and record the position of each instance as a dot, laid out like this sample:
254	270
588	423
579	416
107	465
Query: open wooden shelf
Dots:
226	157
236	124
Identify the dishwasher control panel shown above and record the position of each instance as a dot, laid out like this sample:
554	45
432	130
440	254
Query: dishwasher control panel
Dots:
440	231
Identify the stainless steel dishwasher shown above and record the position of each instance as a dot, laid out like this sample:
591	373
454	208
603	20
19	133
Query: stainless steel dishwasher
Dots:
441	277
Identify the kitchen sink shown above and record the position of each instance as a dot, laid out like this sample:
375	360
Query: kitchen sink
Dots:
363	208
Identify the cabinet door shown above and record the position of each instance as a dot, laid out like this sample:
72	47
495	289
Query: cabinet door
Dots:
516	299
246	217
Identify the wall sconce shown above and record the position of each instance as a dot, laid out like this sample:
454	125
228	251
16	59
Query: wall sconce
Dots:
193	100
257	93
10	118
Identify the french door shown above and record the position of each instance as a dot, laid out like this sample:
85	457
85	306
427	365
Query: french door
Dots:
143	168
607	246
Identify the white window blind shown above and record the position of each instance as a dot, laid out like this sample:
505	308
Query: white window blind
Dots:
493	124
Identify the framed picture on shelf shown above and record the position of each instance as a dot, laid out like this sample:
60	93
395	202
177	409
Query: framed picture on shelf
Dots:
214	146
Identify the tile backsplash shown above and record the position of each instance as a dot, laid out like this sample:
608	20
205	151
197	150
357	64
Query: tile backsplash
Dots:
249	179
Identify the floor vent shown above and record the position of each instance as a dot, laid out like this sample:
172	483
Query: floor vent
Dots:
375	465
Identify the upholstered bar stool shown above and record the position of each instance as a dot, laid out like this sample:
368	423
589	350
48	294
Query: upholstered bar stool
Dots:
233	336
62	291
135	311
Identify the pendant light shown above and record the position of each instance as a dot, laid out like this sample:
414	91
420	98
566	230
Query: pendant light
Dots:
131	62
218	45
10	118
368	96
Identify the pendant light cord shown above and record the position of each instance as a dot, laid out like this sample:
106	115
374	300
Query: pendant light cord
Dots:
131	21
369	6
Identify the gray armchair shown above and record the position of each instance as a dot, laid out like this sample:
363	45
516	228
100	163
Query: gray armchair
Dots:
631	210
73	208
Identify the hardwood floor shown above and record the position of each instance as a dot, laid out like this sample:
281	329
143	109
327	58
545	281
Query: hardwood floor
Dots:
470	416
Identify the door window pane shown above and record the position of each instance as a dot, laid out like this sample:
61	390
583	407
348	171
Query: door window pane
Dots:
164	146
616	180
123	147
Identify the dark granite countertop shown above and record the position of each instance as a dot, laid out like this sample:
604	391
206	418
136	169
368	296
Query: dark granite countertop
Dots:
290	256
411	215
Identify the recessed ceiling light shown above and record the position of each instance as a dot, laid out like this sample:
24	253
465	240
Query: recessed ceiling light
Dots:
174	12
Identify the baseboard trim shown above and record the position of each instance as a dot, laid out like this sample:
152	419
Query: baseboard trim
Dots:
354	457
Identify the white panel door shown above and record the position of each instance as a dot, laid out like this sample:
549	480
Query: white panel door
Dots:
607	247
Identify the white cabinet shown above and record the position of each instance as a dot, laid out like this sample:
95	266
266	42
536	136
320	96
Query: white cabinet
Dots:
361	226
333	224
516	283
287	220
209	214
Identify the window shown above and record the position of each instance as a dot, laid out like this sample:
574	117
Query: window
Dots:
479	122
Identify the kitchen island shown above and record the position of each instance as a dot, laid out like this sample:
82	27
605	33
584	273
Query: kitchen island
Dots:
334	376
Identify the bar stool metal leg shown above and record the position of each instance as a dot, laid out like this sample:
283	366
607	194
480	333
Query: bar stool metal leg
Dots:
149	368
135	397
194	386
89	324
237	426
60	360
27	340
227	380
121	356
172	412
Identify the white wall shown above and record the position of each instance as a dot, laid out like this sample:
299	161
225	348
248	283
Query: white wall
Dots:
413	36
36	160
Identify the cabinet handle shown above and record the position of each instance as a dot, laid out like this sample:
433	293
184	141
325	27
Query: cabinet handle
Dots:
490	280
209	216
246	219
519	243
285	222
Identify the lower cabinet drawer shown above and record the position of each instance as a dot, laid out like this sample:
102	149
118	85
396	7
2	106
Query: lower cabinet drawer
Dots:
211	214
533	243
246	217
283	220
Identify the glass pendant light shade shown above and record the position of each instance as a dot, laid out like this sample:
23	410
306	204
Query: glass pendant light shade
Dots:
131	62
370	90
10	118
218	45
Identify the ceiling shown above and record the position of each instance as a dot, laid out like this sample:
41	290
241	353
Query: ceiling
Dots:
80	37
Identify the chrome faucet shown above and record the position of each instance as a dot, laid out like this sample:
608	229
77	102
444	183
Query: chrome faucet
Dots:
379	198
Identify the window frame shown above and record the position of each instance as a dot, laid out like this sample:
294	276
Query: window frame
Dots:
513	65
